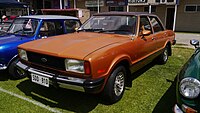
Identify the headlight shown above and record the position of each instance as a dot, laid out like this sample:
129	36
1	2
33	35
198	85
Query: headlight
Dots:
74	65
22	54
189	87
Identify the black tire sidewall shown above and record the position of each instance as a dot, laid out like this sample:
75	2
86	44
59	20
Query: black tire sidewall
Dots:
109	88
161	59
12	70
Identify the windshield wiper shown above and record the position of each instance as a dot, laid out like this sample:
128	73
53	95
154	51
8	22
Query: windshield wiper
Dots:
18	31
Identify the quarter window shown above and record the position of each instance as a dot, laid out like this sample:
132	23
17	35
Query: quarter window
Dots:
51	28
71	25
157	27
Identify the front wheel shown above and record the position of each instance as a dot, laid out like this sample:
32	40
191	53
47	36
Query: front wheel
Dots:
14	72
162	59
115	85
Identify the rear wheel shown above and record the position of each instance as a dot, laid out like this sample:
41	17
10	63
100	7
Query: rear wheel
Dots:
115	85
14	72
162	59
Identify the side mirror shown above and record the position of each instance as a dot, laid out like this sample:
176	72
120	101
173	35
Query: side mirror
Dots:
146	32
194	42
76	29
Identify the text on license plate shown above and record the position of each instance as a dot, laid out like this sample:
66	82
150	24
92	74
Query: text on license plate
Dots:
44	81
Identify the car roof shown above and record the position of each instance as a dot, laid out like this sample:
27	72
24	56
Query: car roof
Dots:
123	14
48	17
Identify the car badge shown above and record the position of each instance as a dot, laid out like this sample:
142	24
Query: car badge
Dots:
44	60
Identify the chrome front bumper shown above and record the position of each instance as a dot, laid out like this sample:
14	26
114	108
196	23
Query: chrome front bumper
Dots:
78	84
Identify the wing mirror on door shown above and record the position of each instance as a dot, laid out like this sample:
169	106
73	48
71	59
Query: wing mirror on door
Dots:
194	42
146	32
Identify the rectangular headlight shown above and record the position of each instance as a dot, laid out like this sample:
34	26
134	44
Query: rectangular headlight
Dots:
74	65
22	54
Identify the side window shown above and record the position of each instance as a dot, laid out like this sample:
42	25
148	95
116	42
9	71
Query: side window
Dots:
71	25
157	27
145	24
49	28
59	28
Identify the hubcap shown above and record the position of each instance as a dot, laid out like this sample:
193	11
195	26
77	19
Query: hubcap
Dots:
165	55
119	84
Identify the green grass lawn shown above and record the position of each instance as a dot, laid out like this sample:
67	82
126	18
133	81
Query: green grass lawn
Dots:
153	90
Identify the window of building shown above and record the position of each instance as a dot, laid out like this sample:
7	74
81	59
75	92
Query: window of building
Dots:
153	9
116	9
198	8
93	8
190	8
161	1
170	0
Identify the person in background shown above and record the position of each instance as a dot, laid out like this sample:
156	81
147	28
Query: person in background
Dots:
4	18
32	12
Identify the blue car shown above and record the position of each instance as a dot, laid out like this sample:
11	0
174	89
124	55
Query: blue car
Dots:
28	28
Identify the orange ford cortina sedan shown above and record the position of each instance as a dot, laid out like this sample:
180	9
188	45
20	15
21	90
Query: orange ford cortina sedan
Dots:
100	56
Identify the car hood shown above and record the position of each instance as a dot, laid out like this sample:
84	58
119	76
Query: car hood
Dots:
7	39
75	45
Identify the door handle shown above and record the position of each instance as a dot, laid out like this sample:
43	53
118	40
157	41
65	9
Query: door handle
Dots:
153	38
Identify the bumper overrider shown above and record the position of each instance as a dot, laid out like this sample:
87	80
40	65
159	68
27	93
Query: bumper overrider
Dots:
177	109
183	109
78	84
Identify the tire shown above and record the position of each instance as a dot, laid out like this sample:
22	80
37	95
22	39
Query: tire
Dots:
15	73
163	58
115	86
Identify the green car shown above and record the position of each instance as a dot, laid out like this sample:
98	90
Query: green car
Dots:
188	84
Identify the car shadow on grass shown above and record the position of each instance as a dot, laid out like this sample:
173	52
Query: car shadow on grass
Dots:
168	100
60	98
3	75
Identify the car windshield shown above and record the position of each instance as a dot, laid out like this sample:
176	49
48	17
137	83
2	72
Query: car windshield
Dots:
23	26
110	24
5	25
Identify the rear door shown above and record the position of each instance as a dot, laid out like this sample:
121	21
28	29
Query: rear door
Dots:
159	33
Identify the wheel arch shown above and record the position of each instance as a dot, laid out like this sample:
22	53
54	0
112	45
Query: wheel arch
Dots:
12	59
122	62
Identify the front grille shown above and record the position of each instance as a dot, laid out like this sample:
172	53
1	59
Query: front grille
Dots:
46	60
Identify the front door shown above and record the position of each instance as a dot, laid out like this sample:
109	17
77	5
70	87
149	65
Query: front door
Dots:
170	18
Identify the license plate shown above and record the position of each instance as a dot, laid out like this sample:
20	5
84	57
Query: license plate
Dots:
44	81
